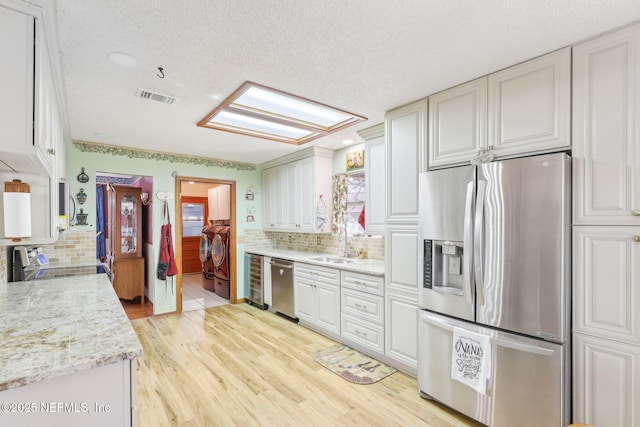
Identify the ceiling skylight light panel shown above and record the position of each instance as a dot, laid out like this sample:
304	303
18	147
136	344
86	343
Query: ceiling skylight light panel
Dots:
226	118
267	113
272	103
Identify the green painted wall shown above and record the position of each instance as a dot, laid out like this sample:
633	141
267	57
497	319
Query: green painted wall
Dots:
161	170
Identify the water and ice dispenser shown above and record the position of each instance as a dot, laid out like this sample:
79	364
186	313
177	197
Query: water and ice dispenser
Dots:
443	266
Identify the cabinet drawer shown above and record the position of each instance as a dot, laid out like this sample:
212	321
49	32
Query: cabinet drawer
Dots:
363	306
362	332
327	275
363	282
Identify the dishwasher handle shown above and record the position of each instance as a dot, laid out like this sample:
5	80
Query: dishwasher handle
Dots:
280	265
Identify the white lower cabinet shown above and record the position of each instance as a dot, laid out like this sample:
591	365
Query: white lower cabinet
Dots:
101	397
364	333
401	328
606	382
317	298
606	326
363	310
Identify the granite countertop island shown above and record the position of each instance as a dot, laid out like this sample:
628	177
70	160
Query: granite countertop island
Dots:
56	327
366	266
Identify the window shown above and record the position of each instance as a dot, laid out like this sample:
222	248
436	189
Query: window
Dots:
355	203
268	113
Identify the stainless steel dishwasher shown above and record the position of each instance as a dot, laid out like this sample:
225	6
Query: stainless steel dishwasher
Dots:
282	287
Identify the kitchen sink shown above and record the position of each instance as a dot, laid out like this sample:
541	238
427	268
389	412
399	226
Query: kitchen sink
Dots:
334	260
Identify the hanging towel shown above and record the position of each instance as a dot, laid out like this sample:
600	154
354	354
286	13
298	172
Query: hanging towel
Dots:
471	359
167	266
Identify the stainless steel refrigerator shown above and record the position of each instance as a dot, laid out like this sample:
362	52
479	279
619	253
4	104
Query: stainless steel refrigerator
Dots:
495	251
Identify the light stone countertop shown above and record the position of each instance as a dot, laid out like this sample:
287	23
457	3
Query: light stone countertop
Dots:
365	266
51	328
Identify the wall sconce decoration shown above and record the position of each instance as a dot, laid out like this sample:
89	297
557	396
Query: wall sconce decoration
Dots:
17	210
81	196
83	177
250	211
144	198
250	192
81	218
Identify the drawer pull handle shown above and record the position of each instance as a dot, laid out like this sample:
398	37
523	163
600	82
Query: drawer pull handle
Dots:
364	334
635	212
636	239
364	307
357	282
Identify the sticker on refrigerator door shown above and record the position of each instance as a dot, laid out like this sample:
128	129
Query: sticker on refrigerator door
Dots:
471	359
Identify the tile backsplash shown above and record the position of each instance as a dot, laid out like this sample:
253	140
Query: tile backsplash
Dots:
71	248
318	243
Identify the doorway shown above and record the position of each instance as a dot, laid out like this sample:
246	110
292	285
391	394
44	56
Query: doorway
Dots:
181	230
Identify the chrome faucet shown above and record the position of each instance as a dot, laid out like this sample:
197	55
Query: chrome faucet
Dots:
347	251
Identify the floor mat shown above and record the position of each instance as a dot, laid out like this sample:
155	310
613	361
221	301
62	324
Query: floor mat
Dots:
352	365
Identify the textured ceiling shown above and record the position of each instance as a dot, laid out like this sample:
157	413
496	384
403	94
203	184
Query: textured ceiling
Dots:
364	56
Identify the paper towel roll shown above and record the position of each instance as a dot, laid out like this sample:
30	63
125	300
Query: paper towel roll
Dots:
17	215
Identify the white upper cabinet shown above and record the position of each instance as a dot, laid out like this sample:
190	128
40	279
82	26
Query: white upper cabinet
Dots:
292	191
530	106
404	129
375	154
457	123
606	135
17	50
32	137
524	109
219	202
375	180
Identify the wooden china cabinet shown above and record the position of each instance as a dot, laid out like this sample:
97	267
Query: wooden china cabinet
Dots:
126	243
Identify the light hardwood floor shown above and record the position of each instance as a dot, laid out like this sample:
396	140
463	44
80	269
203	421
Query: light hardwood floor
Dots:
236	365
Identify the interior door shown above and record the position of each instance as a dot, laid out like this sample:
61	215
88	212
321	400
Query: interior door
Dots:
194	217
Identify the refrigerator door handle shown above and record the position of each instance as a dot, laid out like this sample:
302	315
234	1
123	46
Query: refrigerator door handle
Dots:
448	326
467	255
478	241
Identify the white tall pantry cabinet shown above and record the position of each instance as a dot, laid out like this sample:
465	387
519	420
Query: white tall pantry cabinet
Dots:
405	137
606	236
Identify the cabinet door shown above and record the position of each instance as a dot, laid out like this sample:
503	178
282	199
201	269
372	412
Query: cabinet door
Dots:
274	181
606	137
401	328
305	301
530	106
457	124
269	195
293	187
306	195
405	150
401	255
606	382
328	307
16	85
606	297
375	180
281	197
128	278
46	110
127	236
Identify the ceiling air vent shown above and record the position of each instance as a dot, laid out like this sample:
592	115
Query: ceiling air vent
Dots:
154	96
